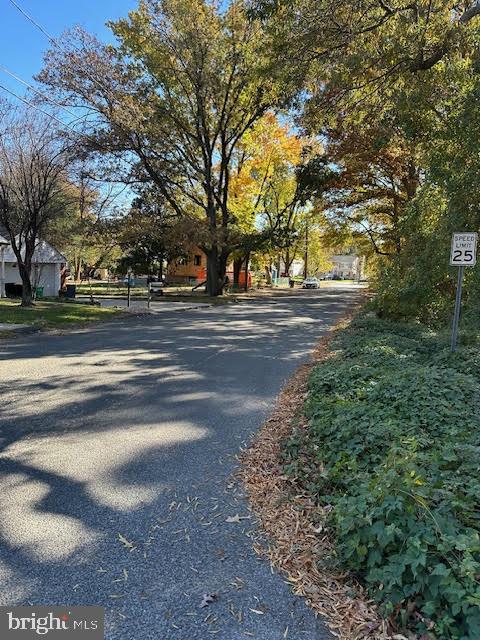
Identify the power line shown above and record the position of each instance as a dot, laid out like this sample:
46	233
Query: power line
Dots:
37	91
50	115
56	44
33	106
33	21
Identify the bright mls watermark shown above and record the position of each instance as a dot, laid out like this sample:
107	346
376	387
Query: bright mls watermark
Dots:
59	623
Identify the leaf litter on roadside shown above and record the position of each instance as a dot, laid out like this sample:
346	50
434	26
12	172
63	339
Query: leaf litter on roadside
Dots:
237	518
207	599
293	523
126	543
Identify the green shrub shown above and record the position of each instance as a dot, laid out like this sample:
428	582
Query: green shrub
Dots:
394	446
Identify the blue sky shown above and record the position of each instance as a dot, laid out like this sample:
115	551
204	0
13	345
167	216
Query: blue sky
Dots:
22	45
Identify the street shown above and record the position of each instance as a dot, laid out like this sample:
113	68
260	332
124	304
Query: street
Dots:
118	444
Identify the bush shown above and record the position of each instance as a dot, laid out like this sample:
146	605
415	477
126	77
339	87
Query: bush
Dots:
419	283
394	446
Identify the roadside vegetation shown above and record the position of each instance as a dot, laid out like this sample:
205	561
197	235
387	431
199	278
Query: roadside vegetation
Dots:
46	314
267	131
392	448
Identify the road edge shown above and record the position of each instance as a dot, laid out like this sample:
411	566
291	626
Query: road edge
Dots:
292	522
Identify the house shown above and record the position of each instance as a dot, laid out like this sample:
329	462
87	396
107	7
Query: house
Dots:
297	267
347	267
3	245
190	270
193	270
48	269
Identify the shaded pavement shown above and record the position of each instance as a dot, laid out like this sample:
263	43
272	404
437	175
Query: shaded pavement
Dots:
117	444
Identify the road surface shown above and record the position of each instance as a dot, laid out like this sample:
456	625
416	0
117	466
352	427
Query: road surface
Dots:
117	445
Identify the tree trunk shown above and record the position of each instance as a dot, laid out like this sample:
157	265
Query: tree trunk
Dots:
289	258
27	293
160	269
247	260
288	262
216	269
222	269
268	274
396	232
78	270
305	258
237	267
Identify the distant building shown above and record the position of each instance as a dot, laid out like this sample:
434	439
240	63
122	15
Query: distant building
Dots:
193	270
348	267
189	270
297	267
344	266
48	270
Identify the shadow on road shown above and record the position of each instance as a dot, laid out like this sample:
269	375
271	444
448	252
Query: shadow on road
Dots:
106	430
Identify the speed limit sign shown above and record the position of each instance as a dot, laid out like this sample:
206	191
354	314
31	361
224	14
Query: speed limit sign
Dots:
463	254
464	250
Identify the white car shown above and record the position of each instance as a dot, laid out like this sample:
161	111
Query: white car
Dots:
311	283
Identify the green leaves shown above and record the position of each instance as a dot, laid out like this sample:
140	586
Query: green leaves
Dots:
394	446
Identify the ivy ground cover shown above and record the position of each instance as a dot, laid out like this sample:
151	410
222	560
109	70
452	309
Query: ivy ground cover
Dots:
393	449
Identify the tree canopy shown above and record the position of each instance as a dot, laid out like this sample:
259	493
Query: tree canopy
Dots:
172	102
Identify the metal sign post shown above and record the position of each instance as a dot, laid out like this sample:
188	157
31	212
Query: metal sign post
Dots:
458	304
463	254
129	272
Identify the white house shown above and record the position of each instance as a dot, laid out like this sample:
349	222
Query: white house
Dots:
48	265
348	266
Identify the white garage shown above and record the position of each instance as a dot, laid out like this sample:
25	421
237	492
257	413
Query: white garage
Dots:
47	269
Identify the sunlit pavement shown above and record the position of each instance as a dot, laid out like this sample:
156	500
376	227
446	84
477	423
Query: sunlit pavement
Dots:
132	428
154	307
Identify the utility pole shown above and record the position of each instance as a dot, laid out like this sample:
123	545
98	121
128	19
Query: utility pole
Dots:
305	260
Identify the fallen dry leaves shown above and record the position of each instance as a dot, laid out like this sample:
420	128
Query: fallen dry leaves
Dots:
237	518
297	542
207	599
126	543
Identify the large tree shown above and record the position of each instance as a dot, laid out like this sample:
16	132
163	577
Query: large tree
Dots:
33	184
266	199
386	37
364	181
172	102
152	235
87	232
383	79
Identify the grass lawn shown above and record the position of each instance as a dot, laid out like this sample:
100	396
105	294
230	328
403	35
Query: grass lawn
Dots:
392	453
52	314
110	290
114	289
173	293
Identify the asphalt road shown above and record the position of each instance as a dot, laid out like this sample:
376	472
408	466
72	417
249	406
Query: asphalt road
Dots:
132	428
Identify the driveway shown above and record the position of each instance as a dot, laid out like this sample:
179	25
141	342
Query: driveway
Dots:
117	447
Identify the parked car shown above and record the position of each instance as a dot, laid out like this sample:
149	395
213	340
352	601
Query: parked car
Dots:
311	283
